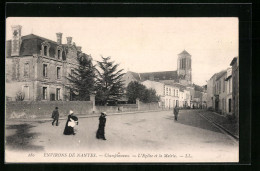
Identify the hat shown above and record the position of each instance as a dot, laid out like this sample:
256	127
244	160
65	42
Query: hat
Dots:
104	113
71	111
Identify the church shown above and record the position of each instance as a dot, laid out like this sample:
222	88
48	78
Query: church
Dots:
182	75
175	88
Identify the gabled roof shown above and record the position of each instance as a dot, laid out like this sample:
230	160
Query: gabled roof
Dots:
220	74
163	75
184	52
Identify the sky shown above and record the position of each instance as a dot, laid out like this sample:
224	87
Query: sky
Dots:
145	44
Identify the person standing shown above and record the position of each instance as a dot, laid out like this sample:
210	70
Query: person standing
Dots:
55	116
101	126
176	113
70	124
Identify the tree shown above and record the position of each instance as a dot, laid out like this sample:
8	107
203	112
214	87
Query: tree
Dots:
109	81
137	90
82	78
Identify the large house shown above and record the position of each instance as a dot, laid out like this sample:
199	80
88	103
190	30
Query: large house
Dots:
37	67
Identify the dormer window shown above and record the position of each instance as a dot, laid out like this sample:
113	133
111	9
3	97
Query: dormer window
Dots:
45	49
59	52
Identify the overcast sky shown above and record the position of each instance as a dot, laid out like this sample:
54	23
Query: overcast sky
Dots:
145	44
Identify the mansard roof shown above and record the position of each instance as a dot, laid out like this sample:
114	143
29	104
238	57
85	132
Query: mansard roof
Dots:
31	44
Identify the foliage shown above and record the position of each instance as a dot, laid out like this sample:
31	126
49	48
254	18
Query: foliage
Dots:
136	90
20	96
82	79
109	81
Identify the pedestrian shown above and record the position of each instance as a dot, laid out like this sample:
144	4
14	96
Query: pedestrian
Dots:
101	127
55	116
176	113
70	124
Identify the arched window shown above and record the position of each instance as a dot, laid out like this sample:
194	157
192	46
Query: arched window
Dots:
45	48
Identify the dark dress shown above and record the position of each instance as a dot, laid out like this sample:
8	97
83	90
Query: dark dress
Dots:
68	129
101	128
176	112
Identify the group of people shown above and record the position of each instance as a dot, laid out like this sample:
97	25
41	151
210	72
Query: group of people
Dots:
73	120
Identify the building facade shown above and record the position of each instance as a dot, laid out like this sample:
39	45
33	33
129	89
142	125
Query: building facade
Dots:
229	107
38	67
235	85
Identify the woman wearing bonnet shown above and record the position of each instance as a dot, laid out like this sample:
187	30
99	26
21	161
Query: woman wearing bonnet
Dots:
70	124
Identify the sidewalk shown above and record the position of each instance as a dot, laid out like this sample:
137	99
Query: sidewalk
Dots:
223	122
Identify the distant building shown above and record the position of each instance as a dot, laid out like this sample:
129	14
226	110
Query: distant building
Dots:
220	92
229	107
182	75
38	67
235	85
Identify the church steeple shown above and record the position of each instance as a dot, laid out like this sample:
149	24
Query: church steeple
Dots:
184	66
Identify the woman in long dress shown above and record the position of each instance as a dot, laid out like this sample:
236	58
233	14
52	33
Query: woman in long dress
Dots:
101	126
71	122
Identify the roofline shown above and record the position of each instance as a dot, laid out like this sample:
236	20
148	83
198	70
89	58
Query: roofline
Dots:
233	61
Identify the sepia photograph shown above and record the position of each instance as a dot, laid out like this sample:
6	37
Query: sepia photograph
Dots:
122	90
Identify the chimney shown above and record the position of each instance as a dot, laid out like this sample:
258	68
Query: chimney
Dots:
69	40
59	38
16	40
79	48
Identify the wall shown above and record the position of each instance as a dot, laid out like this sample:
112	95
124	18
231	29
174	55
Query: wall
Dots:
44	109
41	109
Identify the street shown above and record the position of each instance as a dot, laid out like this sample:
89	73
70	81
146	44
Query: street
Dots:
137	134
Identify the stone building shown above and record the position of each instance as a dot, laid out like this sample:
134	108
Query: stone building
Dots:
37	67
220	92
171	94
182	75
235	85
228	80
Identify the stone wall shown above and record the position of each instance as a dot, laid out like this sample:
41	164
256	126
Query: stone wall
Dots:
25	109
43	109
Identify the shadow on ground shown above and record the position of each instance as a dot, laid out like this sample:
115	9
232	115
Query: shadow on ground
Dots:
22	139
192	118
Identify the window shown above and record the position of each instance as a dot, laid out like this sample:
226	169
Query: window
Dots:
223	85
45	70
173	92
177	93
58	73
59	54
45	50
58	94
166	91
170	91
44	93
26	70
72	73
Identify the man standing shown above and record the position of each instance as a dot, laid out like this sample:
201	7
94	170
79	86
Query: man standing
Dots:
101	126
55	116
176	113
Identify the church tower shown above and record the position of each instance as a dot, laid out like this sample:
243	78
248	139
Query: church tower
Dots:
184	67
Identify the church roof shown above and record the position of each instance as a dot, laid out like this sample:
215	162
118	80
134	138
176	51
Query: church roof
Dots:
163	75
184	52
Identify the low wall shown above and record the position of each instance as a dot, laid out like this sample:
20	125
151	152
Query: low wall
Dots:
41	109
148	106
